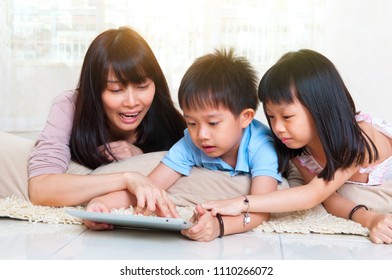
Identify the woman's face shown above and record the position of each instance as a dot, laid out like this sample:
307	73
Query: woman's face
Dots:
126	106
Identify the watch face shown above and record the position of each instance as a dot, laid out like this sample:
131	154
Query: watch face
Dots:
246	219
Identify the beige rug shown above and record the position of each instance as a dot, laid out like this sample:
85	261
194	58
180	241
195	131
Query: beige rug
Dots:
315	220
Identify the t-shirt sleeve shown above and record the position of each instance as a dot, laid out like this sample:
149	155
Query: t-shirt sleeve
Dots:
51	153
265	161
180	156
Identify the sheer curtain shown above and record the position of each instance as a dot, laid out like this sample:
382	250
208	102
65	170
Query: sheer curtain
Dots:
43	43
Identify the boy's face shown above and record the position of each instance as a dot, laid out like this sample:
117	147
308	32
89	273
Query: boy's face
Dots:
216	131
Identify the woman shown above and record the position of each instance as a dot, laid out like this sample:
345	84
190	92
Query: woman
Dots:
122	107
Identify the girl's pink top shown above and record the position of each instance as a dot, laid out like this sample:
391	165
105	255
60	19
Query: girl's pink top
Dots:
377	173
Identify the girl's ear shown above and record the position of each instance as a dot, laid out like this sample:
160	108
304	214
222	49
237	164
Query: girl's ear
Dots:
247	116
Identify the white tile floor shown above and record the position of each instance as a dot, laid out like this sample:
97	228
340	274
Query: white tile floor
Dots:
21	240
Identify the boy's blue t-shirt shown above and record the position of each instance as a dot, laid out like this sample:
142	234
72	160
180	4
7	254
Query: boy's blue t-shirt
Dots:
256	155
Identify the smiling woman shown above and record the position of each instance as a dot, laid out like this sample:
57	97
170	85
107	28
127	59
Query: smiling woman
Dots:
115	113
126	105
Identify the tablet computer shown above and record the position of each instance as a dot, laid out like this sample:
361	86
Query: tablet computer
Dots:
132	221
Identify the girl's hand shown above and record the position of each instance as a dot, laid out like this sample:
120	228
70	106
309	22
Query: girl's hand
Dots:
97	206
121	150
206	226
150	199
230	207
380	229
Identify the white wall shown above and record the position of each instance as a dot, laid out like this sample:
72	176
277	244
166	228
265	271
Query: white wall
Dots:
358	40
355	35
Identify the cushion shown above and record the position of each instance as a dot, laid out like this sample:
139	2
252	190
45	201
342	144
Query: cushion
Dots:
200	186
14	156
377	198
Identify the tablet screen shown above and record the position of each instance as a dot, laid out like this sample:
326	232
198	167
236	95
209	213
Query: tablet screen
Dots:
132	221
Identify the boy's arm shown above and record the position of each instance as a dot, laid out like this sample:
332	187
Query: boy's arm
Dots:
163	176
263	185
207	227
260	185
104	204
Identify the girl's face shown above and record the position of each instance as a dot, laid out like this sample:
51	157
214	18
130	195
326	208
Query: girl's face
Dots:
292	124
126	106
216	131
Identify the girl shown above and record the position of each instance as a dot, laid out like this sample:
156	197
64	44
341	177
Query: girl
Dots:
120	108
318	129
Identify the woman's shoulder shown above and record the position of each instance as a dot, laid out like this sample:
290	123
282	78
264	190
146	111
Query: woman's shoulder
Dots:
64	103
68	96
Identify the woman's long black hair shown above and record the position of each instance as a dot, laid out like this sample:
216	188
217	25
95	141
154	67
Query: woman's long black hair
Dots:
131	59
313	79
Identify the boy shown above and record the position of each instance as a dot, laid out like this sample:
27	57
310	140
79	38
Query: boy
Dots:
218	96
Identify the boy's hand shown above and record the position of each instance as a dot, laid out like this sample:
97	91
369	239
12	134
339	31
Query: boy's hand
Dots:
206	226
97	206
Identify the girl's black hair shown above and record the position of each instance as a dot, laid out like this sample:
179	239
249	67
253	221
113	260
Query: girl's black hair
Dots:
315	82
131	59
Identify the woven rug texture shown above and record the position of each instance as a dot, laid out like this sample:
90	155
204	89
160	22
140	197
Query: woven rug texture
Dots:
315	220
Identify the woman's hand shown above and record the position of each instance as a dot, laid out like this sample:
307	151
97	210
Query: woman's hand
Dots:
380	228
121	149
206	227
230	207
96	205
149	197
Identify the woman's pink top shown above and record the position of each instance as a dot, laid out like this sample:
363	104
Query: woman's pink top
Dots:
51	153
378	173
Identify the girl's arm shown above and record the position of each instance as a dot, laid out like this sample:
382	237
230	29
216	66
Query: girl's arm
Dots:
293	199
207	226
379	224
338	206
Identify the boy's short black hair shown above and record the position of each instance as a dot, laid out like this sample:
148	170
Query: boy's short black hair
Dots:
219	79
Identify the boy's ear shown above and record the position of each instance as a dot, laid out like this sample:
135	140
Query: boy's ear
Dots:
247	116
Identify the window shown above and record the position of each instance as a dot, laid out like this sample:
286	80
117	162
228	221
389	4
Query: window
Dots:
43	42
